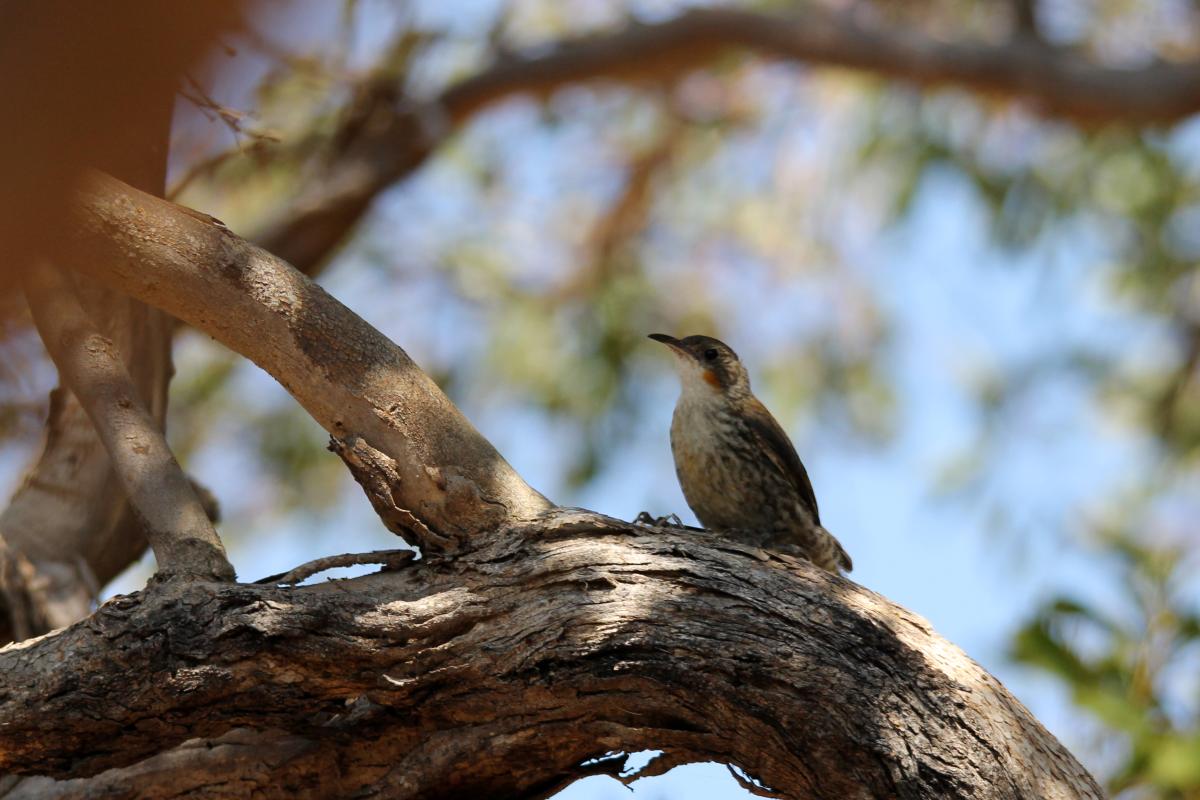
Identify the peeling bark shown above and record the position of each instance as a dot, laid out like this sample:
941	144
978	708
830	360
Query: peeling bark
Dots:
552	637
502	670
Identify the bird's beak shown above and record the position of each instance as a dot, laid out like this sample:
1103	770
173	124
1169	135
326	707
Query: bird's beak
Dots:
669	341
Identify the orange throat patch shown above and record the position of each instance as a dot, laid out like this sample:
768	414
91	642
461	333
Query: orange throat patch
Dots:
711	379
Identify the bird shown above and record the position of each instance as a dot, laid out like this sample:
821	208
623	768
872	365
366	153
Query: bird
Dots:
738	470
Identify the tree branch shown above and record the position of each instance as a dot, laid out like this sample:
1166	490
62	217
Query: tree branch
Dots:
402	135
1166	407
69	518
114	73
1025	19
388	559
508	667
505	670
434	479
175	522
1058	82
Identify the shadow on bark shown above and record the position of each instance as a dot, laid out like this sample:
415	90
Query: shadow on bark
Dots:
500	672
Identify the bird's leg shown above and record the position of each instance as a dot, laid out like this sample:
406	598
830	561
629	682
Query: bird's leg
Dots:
669	521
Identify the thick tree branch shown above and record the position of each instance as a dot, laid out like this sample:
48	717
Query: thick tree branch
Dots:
432	476
498	672
175	522
401	135
504	669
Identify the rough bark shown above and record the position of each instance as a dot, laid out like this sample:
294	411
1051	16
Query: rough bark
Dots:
395	136
509	656
428	472
499	672
174	520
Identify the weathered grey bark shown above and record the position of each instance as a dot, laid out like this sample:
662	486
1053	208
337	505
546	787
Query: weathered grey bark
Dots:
497	673
174	520
428	472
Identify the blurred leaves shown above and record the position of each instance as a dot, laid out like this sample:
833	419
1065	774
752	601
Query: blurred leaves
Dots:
750	201
1123	663
1131	661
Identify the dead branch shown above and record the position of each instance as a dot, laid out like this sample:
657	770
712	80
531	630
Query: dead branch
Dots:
388	559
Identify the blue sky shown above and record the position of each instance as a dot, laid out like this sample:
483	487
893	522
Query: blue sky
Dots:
974	562
958	307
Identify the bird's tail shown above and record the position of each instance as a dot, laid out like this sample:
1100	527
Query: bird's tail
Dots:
833	556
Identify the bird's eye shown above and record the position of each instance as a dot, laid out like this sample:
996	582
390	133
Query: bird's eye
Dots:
711	354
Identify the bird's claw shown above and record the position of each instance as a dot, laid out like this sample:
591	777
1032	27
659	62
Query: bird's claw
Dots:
669	521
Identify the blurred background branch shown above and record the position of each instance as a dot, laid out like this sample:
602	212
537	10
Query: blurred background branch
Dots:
956	242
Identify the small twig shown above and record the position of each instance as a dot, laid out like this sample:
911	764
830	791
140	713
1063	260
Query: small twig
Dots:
390	559
1167	406
231	117
180	533
205	167
1025	20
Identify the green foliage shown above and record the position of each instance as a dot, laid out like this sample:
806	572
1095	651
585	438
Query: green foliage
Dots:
1122	664
662	198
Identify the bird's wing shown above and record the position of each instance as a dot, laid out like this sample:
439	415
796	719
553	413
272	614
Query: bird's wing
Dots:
778	447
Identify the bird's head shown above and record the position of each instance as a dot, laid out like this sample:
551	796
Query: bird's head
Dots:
706	365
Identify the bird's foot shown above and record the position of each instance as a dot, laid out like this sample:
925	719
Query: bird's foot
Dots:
669	521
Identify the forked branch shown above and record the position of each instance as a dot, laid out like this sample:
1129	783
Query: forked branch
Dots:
429	464
176	524
555	638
